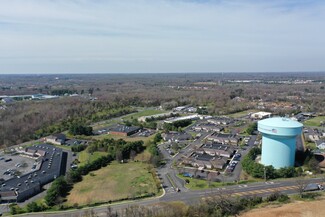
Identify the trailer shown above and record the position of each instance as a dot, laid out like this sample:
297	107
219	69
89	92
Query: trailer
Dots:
313	187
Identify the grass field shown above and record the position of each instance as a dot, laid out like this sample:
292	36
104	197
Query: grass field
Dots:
114	182
315	122
84	156
126	138
143	157
144	113
241	114
199	184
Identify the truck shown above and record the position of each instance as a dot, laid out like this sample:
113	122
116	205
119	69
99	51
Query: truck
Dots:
313	187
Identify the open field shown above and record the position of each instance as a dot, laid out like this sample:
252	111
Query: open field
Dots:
144	113
241	114
296	209
315	122
199	184
126	138
114	182
143	157
84	156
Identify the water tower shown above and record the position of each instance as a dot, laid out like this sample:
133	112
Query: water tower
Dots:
279	141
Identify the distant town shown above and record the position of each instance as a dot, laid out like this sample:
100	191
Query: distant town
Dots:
67	144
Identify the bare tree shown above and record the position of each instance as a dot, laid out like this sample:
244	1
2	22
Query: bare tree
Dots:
301	185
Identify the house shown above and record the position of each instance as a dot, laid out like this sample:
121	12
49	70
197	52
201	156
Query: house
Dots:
218	162
220	121
56	139
320	144
123	130
204	160
40	153
30	152
176	136
223	138
208	128
219	150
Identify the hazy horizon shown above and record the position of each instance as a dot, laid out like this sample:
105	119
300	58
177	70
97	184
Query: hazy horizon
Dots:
163	36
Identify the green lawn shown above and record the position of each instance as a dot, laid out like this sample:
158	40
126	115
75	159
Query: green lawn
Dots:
311	145
144	113
113	182
126	138
84	156
315	122
199	184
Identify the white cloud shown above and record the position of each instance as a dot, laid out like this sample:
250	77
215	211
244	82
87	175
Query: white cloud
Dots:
160	36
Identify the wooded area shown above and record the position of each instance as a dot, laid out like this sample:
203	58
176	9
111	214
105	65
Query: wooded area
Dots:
105	96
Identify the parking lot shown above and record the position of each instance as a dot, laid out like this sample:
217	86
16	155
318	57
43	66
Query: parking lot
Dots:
18	165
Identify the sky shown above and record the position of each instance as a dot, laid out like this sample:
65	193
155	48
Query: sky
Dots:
157	36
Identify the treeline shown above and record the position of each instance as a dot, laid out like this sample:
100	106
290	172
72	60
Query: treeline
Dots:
251	128
119	148
78	148
80	129
177	125
28	120
221	205
259	171
75	175
77	125
135	122
61	92
152	147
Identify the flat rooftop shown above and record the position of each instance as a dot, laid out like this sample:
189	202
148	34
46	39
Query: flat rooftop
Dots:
50	166
125	129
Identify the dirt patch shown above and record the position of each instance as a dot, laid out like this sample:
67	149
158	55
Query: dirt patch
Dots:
296	209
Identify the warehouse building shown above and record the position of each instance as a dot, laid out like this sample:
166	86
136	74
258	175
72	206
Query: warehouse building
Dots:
50	164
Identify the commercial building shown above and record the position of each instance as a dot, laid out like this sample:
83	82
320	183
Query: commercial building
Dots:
261	115
123	130
56	139
157	116
50	163
279	141
189	117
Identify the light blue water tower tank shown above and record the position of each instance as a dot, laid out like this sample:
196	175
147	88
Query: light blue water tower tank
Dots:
279	141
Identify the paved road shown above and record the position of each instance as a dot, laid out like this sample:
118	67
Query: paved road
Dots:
258	189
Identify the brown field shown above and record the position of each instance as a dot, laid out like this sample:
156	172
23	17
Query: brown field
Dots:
296	209
113	182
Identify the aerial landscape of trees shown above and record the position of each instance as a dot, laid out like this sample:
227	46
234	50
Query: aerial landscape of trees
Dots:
115	95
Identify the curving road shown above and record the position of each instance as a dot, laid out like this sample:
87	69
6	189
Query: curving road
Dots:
255	189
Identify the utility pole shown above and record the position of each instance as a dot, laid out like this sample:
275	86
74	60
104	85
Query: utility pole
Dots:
264	173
